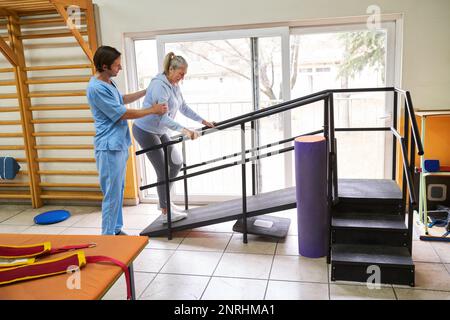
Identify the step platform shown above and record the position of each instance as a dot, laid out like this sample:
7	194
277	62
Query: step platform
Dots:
269	226
354	262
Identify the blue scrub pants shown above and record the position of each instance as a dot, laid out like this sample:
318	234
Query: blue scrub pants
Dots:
111	165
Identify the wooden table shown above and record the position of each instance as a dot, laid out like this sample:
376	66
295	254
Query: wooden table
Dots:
96	278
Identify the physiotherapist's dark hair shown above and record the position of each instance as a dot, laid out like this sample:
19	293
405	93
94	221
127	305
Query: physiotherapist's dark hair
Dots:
105	55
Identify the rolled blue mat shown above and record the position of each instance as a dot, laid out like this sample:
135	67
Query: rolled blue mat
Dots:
311	192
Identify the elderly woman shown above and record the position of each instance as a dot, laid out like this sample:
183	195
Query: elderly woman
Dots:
153	129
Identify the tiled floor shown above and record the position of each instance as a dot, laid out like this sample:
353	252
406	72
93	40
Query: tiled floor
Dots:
212	262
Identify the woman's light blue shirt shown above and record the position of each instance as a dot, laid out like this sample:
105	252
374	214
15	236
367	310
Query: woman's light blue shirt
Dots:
161	90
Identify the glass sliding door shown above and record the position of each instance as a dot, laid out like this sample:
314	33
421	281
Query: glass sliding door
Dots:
348	57
230	74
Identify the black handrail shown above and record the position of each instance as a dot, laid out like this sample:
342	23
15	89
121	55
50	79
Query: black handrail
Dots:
242	119
232	155
408	176
412	118
178	138
224	166
284	106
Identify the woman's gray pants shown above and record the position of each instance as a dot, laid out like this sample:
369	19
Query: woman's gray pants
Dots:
156	157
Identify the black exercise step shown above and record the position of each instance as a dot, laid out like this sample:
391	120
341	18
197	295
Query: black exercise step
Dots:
227	211
367	254
357	190
373	229
360	263
356	220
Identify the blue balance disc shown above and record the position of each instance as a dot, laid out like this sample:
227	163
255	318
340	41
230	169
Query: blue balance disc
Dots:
53	216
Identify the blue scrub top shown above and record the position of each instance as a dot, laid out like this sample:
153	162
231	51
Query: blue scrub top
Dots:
107	108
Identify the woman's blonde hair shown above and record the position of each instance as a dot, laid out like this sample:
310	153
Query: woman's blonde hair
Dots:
172	61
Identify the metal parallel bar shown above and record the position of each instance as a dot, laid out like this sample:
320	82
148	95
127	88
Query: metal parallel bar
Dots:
363	129
266	113
249	116
273	144
221	126
186	199
167	183
332	145
396	133
394	142
415	129
275	106
382	89
404	154
244	185
228	165
407	174
411	168
162	145
409	106
254	133
326	129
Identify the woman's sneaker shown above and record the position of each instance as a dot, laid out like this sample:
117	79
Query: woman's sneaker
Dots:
175	216
173	207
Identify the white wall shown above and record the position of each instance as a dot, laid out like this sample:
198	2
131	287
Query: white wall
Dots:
426	45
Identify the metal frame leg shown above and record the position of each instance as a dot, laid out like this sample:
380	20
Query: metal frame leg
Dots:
132	286
244	184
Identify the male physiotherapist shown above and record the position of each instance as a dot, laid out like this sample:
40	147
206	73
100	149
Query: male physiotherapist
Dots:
112	137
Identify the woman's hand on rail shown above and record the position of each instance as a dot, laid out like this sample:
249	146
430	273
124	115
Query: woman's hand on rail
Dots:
192	134
209	124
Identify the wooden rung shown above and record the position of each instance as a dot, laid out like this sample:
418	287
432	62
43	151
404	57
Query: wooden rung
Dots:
22	173
11	135
3	70
72	93
64	147
64	134
8	96
60	107
65	160
9	109
67	173
10	122
14	184
70	185
37	12
63	120
63	79
21	160
12	148
15	194
61	67
7	83
47	21
70	195
50	35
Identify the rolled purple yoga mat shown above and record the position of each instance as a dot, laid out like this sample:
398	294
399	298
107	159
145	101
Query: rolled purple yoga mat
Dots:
311	191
